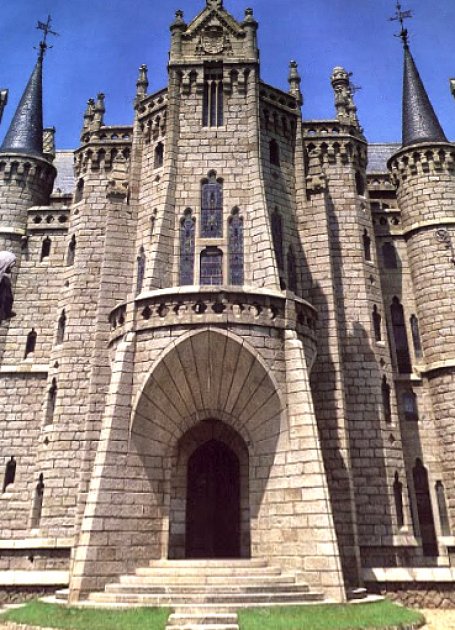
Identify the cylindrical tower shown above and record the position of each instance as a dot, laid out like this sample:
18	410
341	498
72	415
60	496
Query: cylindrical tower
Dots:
423	171
26	176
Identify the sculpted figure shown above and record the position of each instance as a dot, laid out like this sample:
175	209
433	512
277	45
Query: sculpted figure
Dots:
7	262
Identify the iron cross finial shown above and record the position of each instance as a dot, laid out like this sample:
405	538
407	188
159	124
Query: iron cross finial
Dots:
400	16
46	28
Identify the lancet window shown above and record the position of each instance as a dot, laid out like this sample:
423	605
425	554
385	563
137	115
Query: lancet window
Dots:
212	207
213	103
187	240
277	237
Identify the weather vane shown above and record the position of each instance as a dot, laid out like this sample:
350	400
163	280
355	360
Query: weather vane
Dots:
400	16
46	28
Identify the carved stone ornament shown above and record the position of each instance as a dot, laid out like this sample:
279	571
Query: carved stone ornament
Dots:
212	40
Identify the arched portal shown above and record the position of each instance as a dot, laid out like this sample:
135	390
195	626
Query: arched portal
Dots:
209	507
213	503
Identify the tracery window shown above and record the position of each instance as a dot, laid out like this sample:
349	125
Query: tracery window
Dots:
187	240
277	237
400	337
236	273
212	207
213	100
292	270
211	266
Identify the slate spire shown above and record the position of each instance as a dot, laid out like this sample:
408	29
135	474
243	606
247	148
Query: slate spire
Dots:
420	123
25	133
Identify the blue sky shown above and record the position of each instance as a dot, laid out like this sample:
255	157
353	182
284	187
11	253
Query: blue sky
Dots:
103	42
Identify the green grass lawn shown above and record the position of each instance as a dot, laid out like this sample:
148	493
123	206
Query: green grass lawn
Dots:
70	618
329	617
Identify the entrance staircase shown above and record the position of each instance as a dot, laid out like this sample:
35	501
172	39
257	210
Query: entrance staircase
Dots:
205	594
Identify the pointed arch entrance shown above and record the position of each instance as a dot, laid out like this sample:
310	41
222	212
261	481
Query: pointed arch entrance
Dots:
209	510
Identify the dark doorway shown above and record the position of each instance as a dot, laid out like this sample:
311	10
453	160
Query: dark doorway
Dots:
424	510
213	503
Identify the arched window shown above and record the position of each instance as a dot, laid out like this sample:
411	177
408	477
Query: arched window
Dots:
37	503
386	402
211	266
277	237
46	248
31	343
416	336
159	155
424	509
292	270
213	101
411	411
236	275
398	495
212	207
10	473
400	337
377	323
359	184
79	192
442	507
274	150
366	245
51	400
71	251
187	239
140	269
389	255
61	326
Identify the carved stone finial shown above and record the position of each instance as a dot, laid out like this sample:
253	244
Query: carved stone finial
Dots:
294	82
344	97
215	4
99	111
178	22
142	81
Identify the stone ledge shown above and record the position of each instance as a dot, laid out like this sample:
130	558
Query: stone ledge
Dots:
34	578
36	543
410	574
24	369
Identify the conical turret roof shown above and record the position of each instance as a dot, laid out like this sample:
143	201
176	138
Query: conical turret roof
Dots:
25	133
420	123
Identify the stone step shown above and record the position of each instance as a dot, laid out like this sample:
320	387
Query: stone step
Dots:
191	607
229	571
179	599
234	588
207	617
209	580
199	564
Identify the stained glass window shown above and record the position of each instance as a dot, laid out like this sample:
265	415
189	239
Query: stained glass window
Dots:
211	266
212	208
187	234
236	275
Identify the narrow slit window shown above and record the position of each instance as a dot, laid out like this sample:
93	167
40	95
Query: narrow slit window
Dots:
274	150
10	473
140	269
398	495
415	331
366	246
411	411
37	508
386	400
61	327
159	155
213	100
31	343
442	507
277	237
377	324
79	192
400	337
292	270
46	248
50	403
71	251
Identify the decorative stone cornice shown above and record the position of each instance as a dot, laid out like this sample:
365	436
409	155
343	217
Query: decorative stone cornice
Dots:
425	159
